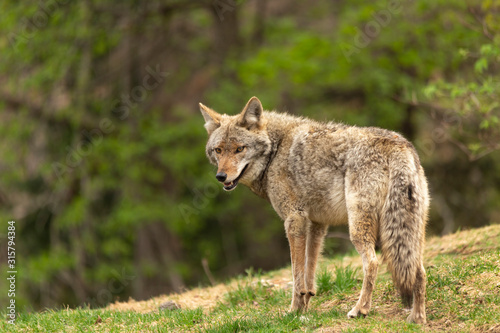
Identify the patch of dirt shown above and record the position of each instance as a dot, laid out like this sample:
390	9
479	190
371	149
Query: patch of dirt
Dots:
199	297
486	282
441	325
339	327
207	298
487	329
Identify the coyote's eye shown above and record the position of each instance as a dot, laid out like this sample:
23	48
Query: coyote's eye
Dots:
239	149
218	150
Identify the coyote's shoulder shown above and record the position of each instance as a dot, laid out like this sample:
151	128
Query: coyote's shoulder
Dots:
319	174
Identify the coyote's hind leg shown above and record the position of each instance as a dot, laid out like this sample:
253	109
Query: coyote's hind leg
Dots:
417	314
363	228
370	268
363	201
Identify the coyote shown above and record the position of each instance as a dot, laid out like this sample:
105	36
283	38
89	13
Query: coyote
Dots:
321	174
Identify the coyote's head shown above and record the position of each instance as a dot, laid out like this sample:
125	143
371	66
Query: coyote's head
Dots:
238	145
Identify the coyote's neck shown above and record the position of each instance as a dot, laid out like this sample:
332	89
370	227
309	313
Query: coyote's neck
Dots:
259	185
276	134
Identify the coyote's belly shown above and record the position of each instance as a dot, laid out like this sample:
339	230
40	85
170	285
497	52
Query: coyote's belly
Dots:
316	164
327	205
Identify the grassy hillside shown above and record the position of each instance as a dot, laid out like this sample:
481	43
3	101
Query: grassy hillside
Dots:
463	295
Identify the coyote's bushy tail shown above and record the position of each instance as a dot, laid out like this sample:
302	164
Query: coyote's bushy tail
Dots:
402	225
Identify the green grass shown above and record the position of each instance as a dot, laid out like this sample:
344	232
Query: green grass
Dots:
343	281
470	287
251	290
463	295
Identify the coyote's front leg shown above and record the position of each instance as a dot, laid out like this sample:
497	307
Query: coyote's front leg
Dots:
315	236
296	231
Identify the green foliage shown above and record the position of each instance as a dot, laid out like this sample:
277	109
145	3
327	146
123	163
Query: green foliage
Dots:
472	94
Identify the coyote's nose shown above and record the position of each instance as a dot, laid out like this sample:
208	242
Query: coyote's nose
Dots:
221	176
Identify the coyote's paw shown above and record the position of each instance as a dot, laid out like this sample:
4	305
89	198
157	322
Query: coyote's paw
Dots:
300	301
416	318
357	312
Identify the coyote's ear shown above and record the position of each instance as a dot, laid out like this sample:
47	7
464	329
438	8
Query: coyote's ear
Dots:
212	118
251	116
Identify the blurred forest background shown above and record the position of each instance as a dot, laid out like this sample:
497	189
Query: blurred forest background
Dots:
102	143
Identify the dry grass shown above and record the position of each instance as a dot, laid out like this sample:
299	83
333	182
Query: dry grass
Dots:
464	242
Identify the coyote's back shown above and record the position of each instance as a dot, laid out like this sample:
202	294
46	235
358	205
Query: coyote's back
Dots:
316	175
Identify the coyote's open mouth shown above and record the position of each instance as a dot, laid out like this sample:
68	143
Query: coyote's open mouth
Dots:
232	185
